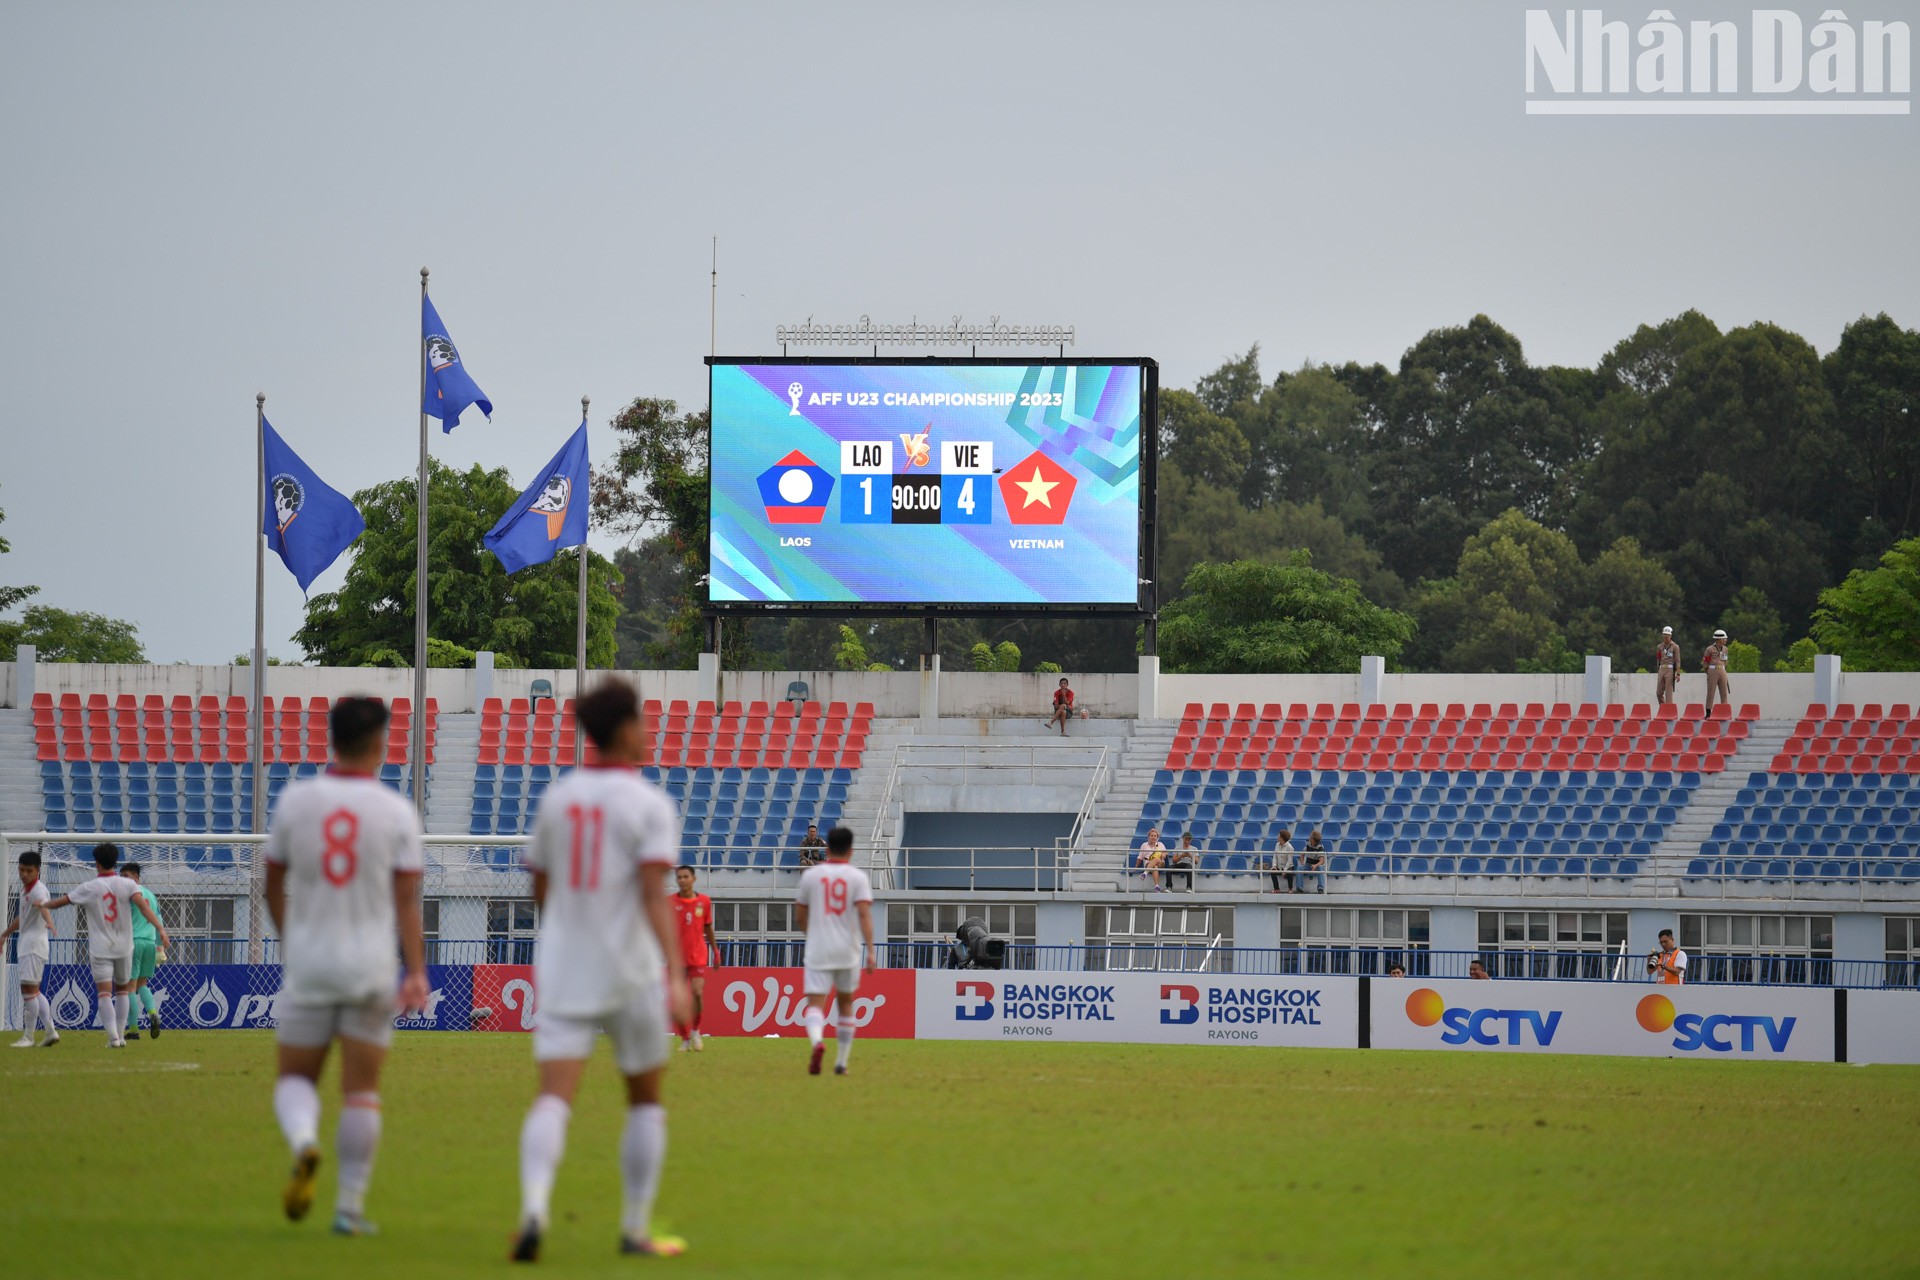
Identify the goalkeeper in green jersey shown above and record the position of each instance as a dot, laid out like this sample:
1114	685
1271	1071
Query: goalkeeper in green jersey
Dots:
144	962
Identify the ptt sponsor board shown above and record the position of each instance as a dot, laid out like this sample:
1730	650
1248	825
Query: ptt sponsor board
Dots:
1137	1008
212	997
1602	1018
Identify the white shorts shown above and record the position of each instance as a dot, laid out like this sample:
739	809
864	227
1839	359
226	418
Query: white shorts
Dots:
28	970
313	1026
115	969
818	982
638	1032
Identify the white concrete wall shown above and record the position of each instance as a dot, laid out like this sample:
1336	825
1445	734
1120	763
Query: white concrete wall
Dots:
983	695
963	694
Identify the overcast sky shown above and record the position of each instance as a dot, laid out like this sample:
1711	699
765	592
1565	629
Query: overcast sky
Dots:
205	201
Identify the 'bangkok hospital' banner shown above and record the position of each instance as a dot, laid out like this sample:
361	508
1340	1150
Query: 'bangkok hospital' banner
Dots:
1137	1008
1632	1020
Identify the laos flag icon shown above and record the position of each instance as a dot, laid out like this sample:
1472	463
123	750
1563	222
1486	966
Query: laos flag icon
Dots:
794	490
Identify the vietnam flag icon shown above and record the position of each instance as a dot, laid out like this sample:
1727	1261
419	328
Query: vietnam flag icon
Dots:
1036	490
794	490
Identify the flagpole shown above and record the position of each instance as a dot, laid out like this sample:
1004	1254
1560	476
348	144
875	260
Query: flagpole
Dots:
256	744
417	744
580	632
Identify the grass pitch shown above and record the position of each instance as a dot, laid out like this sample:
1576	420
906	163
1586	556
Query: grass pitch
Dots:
990	1160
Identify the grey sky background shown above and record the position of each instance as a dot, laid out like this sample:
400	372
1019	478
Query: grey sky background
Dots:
205	201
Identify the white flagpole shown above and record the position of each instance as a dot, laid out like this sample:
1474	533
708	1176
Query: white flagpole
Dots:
417	744
580	635
256	737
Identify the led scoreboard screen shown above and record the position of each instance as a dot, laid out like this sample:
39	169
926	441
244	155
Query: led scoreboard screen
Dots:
926	483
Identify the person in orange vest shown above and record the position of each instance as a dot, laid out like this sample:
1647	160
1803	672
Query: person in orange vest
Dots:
1669	963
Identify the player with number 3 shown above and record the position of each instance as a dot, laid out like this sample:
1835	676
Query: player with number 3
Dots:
110	899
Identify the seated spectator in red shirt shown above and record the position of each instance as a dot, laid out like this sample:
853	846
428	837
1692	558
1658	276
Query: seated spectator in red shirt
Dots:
1062	707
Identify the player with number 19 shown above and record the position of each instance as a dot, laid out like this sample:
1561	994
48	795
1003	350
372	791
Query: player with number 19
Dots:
344	865
604	843
835	911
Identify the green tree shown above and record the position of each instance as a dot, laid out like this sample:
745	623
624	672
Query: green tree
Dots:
1254	616
1751	617
654	491
1466	430
1872	620
851	655
527	619
1004	657
1874	376
61	635
11	596
1627	597
1515	580
1800	655
1202	443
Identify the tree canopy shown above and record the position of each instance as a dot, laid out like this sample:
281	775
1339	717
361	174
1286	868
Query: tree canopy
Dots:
60	635
1258	616
527	619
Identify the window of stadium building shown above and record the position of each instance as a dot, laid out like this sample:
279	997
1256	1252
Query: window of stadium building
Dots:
201	929
1552	944
1353	940
1903	951
755	933
511	926
1753	948
1179	939
920	935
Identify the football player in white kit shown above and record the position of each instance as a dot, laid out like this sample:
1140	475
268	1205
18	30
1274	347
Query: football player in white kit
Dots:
110	899
344	863
35	925
833	895
604	843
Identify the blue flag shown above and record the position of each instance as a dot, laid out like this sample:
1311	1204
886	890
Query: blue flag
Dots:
308	524
551	514
449	389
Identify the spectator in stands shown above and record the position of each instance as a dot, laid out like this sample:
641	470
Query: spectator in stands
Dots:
1152	854
1713	663
812	848
1182	859
1062	707
1669	963
1395	971
1314	862
1283	862
1478	970
1666	665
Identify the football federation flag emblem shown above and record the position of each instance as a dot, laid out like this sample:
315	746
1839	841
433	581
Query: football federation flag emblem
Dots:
551	514
794	490
308	523
449	389
1037	490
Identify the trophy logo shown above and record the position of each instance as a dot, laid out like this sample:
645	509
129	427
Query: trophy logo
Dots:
794	392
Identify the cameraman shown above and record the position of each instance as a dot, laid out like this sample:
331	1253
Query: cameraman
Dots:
1669	964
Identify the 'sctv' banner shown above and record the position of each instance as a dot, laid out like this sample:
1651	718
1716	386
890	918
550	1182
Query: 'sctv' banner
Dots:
1604	1018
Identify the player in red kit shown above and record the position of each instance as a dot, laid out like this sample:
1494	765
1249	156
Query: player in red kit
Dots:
698	948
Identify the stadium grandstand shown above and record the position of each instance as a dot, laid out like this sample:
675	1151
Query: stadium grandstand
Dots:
1513	828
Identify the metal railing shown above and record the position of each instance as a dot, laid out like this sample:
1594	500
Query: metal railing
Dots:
492	864
998	762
